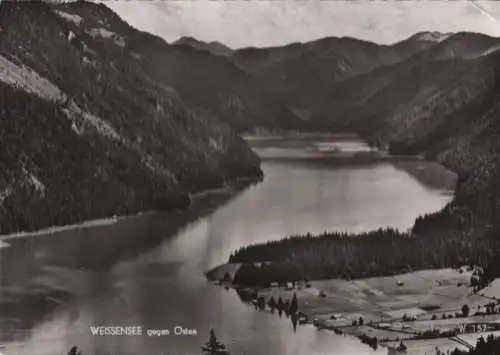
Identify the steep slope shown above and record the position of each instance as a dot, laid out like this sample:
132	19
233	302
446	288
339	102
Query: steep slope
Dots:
362	103
209	81
213	47
448	110
464	45
300	73
459	125
442	102
84	133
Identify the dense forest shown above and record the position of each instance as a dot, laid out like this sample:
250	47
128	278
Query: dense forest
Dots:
378	253
208	81
488	346
449	111
85	134
466	231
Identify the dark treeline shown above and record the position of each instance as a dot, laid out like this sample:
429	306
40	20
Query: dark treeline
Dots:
488	346
160	149
378	253
212	347
458	126
83	177
465	232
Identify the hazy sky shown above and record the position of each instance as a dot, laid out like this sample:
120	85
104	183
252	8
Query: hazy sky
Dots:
241	23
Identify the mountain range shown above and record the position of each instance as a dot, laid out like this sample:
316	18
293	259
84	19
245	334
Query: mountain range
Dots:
79	84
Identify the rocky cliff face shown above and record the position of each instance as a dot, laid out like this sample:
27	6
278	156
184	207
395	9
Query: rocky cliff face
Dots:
87	131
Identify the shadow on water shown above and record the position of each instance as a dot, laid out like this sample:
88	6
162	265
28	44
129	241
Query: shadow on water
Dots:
29	294
250	297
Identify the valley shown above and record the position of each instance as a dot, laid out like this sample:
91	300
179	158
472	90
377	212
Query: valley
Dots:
100	120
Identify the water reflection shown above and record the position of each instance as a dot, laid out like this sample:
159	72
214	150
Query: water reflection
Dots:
149	270
43	273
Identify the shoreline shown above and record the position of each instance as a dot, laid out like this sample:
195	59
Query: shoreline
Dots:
428	172
405	307
298	135
107	221
56	229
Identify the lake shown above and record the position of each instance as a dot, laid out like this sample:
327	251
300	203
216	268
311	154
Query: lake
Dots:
148	270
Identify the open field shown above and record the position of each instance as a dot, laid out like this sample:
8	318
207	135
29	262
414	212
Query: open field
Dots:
472	338
492	291
428	347
420	294
383	302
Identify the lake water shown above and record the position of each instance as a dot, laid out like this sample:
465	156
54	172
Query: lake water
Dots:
148	270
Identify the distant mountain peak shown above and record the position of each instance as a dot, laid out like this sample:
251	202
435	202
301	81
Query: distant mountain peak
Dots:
186	39
432	36
214	47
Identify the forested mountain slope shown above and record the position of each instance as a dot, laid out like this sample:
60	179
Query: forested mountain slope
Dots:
86	133
213	47
459	125
302	73
363	102
445	109
209	81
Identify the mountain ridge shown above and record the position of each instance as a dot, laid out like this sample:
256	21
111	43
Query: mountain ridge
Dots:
211	82
93	135
300	74
214	47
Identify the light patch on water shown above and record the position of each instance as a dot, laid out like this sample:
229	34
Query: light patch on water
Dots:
347	147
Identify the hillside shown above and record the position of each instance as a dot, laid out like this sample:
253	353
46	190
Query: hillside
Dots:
213	47
208	81
302	73
363	102
321	80
445	109
86	133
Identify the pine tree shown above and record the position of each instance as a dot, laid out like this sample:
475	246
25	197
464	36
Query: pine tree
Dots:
213	346
74	351
402	346
294	305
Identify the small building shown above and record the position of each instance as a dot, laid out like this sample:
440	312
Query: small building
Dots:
336	316
302	317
